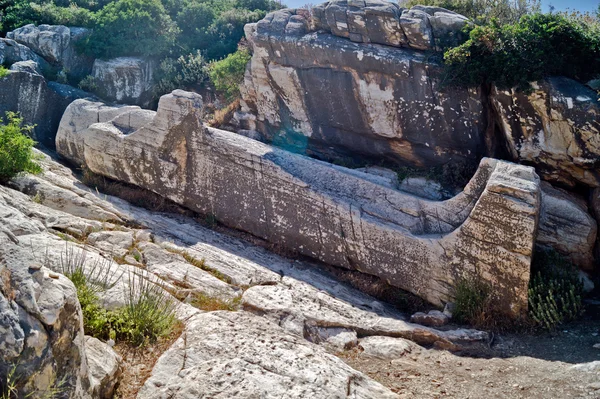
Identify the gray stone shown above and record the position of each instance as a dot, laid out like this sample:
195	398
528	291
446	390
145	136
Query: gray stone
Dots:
127	80
40	103
434	318
555	128
56	44
30	66
12	52
105	368
233	354
322	211
385	348
566	226
423	187
319	93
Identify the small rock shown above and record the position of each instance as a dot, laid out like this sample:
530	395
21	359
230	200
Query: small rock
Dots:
53	275
596	346
434	318
385	347
449	309
35	266
588	284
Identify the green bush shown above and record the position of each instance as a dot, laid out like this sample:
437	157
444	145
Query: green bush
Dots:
88	84
555	291
3	71
195	20
16	148
227	74
183	72
131	27
538	46
472	301
23	12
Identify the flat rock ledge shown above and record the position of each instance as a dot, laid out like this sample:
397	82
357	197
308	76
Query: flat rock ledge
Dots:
330	213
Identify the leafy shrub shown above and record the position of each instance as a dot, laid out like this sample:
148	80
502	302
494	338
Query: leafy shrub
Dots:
195	20
537	46
227	74
555	291
131	27
472	300
228	29
16	149
184	72
3	71
22	12
88	84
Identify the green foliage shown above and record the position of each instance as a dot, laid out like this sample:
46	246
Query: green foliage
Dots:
183	72
16	149
472	300
22	12
228	29
195	20
483	11
227	74
148	314
88	84
555	291
537	46
131	27
3	72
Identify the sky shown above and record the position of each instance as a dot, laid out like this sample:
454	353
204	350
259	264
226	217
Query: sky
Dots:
560	5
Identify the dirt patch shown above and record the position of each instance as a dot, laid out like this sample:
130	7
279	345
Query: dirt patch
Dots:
138	362
515	366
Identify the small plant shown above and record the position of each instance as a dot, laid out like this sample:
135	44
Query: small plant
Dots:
16	149
148	314
555	291
88	84
3	71
227	74
472	300
210	304
8	384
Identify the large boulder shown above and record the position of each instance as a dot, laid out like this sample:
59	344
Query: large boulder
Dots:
56	44
41	330
555	127
322	94
40	103
12	52
382	22
566	226
126	80
330	213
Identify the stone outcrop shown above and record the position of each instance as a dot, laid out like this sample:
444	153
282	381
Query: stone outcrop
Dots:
566	226
39	102
12	52
556	128
320	93
56	44
126	80
41	331
323	211
225	354
382	22
288	304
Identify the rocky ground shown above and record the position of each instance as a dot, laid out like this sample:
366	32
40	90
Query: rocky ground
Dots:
293	330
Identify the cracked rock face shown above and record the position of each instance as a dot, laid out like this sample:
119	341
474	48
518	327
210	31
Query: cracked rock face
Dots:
336	215
226	354
556	128
314	91
39	102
